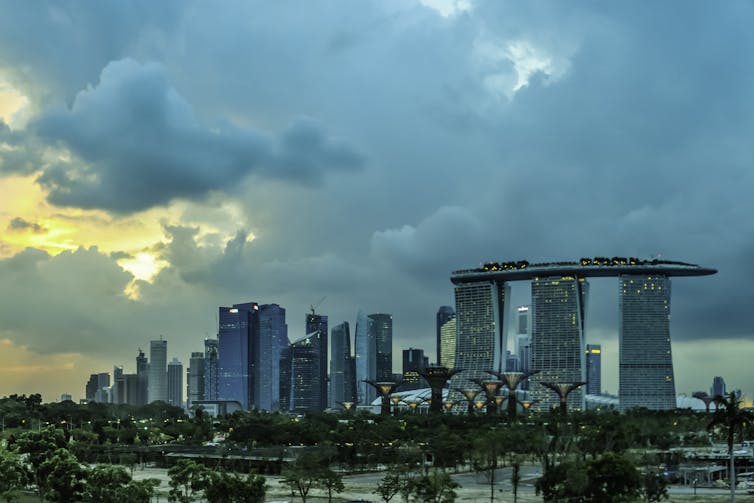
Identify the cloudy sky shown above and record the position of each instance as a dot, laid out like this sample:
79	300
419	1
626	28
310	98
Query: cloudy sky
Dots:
160	159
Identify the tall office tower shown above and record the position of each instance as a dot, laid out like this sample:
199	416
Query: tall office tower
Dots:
95	388
158	368
414	361
175	383
286	381
593	369
211	358
195	378
558	311
306	370
444	314
118	391
66	397
718	386
132	388
481	342
142	373
341	362
366	359
522	342
448	343
646	366
318	323
382	326
238	349
273	338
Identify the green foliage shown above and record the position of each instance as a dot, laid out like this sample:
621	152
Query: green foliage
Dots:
62	477
13	476
105	484
566	481
223	487
187	479
303	474
436	487
40	446
654	487
612	479
331	482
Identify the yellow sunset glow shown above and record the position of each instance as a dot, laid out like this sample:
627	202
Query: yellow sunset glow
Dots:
12	104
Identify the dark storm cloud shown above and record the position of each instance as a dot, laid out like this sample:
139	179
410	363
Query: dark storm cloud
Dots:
138	144
19	224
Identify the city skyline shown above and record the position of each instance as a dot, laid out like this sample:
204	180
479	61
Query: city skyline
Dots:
160	160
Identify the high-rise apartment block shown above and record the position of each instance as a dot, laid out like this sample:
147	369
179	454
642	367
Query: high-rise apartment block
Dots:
158	368
444	314
593	369
557	346
646	365
175	383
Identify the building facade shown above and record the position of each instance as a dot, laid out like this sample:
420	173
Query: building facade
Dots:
142	376
195	378
414	361
318	323
444	314
342	378
593	369
175	383
366	359
718	386
558	313
645	376
238	350
211	359
158	371
306	382
448	343
273	338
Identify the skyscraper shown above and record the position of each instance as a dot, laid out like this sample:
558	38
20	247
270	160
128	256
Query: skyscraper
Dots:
366	359
593	369
342	378
481	331
444	314
238	347
195	378
273	338
118	394
718	387
142	379
306	378
414	361
382	326
175	383
558	312
286	380
158	377
95	388
646	365
318	323
448	343
522	342
211	358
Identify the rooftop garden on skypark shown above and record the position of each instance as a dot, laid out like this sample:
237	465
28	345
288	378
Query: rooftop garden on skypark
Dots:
585	262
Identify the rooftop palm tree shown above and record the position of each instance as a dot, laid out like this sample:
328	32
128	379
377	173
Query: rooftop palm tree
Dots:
732	419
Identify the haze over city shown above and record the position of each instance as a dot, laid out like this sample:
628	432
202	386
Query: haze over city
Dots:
158	160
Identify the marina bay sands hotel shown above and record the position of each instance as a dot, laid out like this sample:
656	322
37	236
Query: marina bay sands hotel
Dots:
559	294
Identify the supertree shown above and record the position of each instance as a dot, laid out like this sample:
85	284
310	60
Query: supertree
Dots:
437	377
384	389
563	389
511	381
490	390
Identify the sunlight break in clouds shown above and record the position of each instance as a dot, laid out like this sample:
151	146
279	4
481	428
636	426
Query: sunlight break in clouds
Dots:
507	67
447	8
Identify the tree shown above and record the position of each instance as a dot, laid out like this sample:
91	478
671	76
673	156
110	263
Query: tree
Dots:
612	479
436	487
187	478
654	487
40	446
105	484
733	419
390	485
565	481
13	476
63	477
224	487
138	491
303	474
330	482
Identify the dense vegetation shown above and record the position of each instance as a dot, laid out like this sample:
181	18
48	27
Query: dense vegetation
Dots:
604	456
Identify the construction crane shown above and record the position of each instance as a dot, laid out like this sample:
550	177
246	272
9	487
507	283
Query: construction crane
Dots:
315	306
